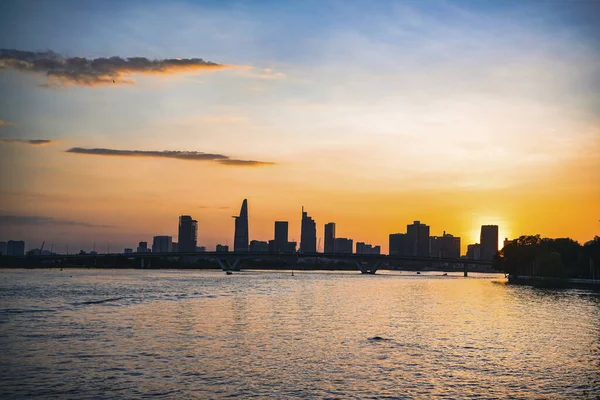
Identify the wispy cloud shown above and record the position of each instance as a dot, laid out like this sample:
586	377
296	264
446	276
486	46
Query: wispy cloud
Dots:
82	71
40	220
5	123
33	142
179	155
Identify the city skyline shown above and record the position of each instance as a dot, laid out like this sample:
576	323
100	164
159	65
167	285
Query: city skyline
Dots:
455	113
415	241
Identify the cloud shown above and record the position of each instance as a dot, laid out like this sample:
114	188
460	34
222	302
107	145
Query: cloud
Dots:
245	163
179	155
5	123
97	71
39	220
33	142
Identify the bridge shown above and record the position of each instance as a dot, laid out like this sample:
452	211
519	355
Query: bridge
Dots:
234	261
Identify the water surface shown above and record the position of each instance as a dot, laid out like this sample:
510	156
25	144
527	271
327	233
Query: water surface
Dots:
202	334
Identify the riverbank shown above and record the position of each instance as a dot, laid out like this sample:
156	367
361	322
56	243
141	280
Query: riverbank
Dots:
542	281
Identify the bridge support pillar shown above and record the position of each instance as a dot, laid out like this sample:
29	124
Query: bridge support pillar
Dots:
370	268
226	265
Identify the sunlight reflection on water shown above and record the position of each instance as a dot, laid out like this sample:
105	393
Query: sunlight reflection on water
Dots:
202	334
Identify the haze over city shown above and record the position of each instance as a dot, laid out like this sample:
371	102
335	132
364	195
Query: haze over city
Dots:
369	114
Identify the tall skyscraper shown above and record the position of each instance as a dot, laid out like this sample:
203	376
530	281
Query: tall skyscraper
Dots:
329	237
397	244
188	234
281	236
162	244
308	234
488	241
417	239
240	237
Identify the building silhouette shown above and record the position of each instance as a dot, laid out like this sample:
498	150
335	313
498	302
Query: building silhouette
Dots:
142	247
240	237
174	247
329	237
446	246
2	248
474	251
364	248
308	234
397	244
127	250
221	248
280	237
417	239
200	249
162	244
259	246
342	246
188	234
488	241
15	248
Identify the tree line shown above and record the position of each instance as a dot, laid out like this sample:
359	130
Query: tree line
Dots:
557	258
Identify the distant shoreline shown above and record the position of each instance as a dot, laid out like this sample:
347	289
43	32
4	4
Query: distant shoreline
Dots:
550	282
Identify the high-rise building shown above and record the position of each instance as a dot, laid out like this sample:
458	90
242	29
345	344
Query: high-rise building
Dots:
446	246
240	237
188	234
329	237
397	244
162	244
489	241
342	246
142	247
308	234
2	248
281	236
417	239
15	248
259	246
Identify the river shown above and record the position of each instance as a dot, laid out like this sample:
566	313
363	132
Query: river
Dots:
182	334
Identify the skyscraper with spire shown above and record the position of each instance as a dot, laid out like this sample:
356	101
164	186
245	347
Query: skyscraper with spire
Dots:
308	234
240	238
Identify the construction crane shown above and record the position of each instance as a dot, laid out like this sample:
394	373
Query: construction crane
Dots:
42	247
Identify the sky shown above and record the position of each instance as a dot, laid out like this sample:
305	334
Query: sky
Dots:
369	114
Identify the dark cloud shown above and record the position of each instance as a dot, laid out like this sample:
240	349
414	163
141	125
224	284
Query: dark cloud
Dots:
97	71
180	155
39	220
34	142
